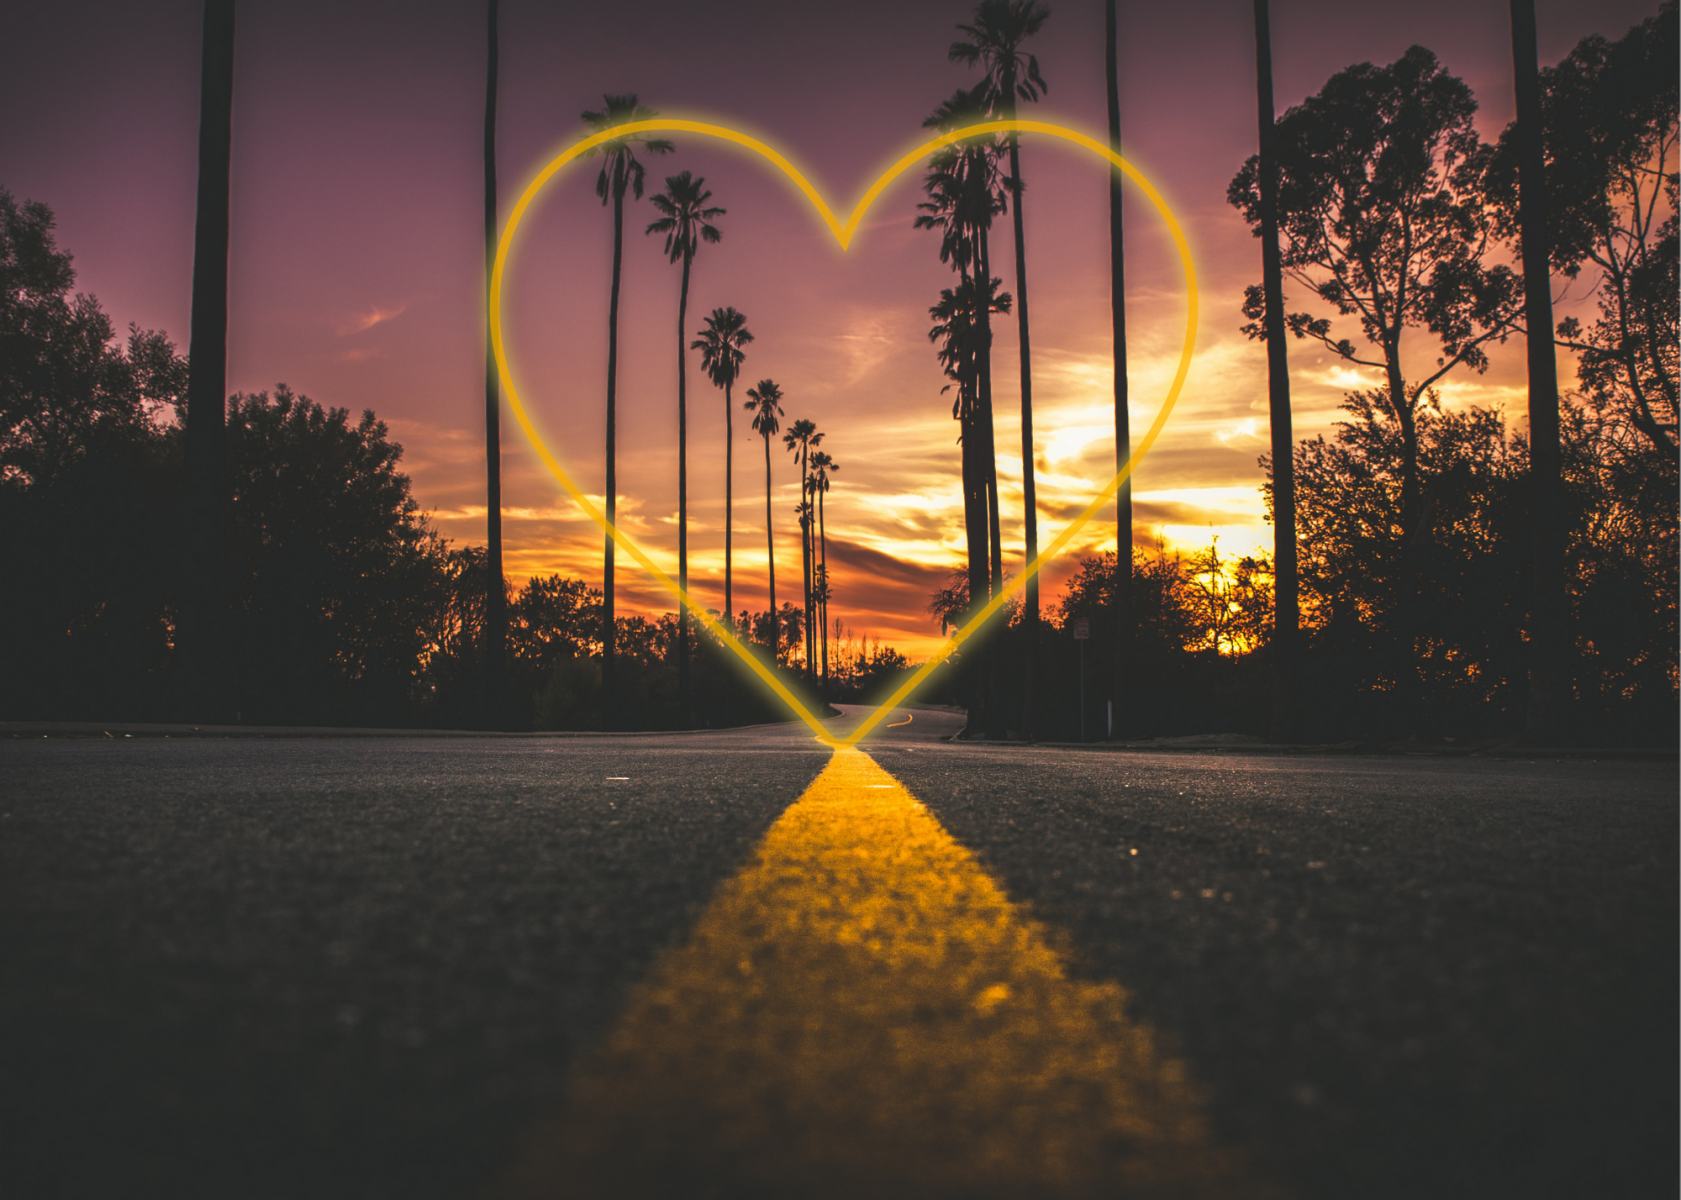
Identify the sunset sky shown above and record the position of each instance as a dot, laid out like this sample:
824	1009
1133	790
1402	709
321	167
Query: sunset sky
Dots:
357	270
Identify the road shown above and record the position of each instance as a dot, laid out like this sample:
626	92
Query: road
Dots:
737	964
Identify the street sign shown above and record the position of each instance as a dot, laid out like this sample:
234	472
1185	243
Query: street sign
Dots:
1082	630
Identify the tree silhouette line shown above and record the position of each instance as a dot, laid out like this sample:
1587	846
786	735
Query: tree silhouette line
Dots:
1435	568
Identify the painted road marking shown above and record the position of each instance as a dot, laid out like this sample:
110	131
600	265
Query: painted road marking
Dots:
908	719
861	1011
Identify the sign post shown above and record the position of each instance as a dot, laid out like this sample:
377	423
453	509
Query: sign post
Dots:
1082	634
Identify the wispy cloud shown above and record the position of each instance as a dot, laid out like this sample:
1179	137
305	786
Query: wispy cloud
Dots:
359	322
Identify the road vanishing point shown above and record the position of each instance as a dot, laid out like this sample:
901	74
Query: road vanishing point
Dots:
742	964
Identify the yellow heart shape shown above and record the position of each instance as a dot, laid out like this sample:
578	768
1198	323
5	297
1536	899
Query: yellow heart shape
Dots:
843	234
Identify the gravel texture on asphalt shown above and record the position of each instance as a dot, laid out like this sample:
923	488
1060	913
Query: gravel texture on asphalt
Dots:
304	968
1396	977
360	967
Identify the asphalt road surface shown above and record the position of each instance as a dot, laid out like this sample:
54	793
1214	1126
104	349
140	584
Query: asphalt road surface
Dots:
738	964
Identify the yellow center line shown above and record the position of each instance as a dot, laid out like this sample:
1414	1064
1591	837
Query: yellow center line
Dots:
908	719
861	1011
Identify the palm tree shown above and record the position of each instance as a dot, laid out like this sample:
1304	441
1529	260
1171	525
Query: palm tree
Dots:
720	345
994	41
205	483
965	192
765	404
685	225
620	172
802	435
1286	617
495	597
821	467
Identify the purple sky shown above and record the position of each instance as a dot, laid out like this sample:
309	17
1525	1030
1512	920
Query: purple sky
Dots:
356	267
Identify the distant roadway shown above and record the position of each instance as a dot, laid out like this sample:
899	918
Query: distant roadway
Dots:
736	964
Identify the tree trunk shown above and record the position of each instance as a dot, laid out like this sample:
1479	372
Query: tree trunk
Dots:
823	573
990	449
1121	685
1286	603
1549	635
204	648
987	481
770	562
496	606
609	627
1030	503
806	555
729	501
974	527
683	708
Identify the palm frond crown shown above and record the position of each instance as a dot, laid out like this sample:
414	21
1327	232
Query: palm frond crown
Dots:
620	168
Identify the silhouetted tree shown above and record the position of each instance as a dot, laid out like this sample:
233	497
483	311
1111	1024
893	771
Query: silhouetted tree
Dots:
686	224
965	191
89	492
802	435
720	344
1380	207
1608	118
1547	649
994	41
1605	121
1287	608
821	467
204	597
764	402
1120	678
334	564
621	171
63	387
496	611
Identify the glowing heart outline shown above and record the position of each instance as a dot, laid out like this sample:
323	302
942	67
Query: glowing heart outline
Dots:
843	234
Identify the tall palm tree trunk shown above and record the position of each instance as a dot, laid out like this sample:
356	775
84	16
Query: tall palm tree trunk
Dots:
805	552
683	502
496	606
1286	603
823	573
1120	683
729	501
990	452
1030	502
204	608
770	562
1549	641
988	483
609	627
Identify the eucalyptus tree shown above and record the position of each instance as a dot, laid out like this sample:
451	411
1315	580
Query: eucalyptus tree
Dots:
822	465
1382	220
994	41
765	403
721	355
686	222
1586	176
621	172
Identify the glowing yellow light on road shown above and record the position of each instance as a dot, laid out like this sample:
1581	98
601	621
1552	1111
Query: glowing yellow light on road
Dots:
843	233
863	1012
